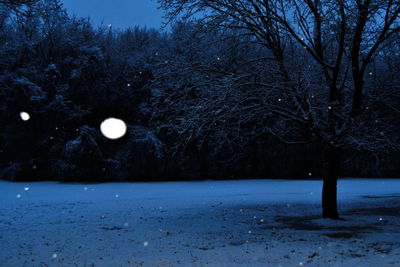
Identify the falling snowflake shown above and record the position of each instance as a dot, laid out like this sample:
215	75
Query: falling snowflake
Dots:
24	116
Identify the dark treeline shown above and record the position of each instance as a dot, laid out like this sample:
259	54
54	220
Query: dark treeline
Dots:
187	96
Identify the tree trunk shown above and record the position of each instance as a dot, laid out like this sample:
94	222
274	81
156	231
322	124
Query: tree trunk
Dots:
329	189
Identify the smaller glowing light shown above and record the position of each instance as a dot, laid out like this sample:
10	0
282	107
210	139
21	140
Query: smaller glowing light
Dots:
18	195
54	255
26	188
145	243
24	116
113	128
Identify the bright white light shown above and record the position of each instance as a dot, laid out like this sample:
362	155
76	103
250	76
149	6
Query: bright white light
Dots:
54	255
113	128
26	188
145	243
24	116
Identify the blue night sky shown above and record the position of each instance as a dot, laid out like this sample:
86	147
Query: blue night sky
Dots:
119	13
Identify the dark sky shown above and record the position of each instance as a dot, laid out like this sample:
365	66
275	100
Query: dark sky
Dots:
119	13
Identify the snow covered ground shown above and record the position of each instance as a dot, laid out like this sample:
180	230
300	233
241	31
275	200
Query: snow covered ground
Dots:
210	223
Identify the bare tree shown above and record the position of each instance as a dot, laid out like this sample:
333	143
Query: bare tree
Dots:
342	38
30	7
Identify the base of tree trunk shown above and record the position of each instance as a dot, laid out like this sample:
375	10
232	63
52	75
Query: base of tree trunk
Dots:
329	189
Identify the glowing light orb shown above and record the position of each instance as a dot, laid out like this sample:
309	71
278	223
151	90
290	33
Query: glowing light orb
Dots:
113	128
24	116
